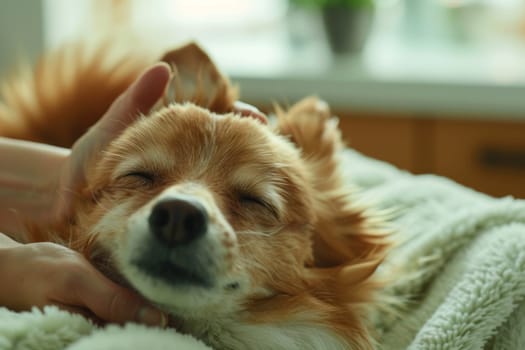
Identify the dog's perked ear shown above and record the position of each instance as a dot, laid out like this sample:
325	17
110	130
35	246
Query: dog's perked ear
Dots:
345	233
197	79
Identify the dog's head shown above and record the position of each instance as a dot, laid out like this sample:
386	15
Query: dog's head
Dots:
230	223
191	205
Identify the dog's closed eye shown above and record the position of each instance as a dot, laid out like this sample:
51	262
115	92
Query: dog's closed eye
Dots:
252	200
137	179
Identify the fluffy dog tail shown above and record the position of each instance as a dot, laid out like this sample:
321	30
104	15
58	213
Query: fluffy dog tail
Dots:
67	92
71	88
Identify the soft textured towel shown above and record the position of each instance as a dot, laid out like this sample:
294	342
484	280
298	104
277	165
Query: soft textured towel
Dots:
54	329
461	264
461	260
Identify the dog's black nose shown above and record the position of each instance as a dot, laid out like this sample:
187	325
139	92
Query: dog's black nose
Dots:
178	221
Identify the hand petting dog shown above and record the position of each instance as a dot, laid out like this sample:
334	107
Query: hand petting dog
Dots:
40	274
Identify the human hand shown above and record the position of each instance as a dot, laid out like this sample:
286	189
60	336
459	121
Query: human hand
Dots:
248	110
39	274
137	99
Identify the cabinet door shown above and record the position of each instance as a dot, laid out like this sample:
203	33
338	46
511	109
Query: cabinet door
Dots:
486	155
389	138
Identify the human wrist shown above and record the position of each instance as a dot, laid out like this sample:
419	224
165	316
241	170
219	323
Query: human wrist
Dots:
28	182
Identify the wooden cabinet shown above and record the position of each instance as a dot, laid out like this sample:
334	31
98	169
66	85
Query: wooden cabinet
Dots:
484	154
390	139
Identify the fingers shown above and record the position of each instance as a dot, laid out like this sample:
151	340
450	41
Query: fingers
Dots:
66	279
113	303
140	97
150	87
77	310
248	110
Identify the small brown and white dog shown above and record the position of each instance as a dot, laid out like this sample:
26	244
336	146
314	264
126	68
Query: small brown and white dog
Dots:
244	232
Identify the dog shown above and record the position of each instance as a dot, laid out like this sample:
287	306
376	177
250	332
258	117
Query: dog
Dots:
245	233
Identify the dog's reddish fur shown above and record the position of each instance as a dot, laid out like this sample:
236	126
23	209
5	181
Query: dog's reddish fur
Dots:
321	269
61	97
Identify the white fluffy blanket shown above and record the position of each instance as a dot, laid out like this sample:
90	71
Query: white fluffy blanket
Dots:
462	259
54	329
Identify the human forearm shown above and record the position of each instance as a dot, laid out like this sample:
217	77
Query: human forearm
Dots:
28	178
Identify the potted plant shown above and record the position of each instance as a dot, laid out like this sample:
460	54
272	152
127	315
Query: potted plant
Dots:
347	22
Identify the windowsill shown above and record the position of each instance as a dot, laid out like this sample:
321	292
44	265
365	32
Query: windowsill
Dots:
480	81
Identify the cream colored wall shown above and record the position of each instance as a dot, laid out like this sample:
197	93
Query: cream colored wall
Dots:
21	32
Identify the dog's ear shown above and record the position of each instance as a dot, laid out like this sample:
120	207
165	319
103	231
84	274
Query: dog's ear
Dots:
344	232
197	79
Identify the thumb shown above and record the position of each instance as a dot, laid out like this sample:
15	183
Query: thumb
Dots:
140	97
112	303
120	306
126	306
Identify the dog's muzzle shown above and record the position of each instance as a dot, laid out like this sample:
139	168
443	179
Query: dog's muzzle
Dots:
177	247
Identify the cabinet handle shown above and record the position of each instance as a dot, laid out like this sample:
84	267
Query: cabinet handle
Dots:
495	157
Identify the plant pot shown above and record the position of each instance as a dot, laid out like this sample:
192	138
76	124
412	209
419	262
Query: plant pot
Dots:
347	29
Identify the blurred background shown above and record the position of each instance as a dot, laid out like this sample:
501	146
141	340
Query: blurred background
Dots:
432	86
